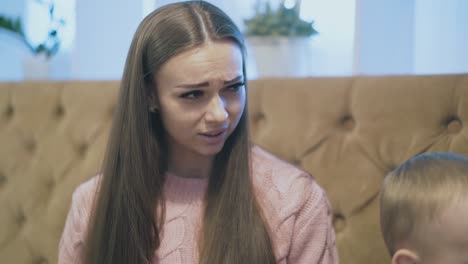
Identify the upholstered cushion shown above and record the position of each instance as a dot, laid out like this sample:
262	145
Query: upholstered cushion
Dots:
52	137
347	132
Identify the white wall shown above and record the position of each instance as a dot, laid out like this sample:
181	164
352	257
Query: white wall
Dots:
441	36
237	10
384	37
104	30
11	48
411	37
462	37
332	50
330	53
356	37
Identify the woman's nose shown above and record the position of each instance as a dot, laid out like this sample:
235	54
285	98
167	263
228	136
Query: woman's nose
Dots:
216	112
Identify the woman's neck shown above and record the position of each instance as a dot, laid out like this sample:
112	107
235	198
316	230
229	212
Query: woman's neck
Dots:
189	165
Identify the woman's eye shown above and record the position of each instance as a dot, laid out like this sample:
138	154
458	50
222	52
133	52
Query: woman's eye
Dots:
235	87
192	94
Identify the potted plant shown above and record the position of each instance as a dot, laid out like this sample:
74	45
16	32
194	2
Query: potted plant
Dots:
280	22
279	40
37	66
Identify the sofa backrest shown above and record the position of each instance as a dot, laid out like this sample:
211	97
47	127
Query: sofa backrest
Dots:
347	132
350	132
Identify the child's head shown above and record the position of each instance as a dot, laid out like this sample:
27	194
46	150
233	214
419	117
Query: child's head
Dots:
424	210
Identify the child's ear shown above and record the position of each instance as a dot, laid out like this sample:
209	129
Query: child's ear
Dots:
405	256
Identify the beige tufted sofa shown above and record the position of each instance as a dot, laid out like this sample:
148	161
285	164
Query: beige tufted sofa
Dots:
348	132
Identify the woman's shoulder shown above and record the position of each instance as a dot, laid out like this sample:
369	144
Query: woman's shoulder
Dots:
264	161
84	194
87	188
282	183
73	236
292	202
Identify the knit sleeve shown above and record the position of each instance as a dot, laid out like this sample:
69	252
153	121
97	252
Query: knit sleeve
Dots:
71	242
313	240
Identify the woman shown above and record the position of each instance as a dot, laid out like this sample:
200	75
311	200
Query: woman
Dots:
181	182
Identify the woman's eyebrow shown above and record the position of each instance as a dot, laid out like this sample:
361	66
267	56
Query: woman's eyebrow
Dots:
238	78
206	84
193	86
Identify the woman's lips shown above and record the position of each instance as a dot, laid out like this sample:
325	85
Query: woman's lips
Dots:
214	133
214	136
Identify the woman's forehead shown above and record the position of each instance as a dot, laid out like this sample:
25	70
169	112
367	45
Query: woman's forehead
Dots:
214	61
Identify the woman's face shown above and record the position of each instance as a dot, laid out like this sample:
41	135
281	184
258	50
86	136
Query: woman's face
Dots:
201	97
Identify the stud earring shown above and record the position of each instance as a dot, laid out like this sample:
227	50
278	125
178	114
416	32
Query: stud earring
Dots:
153	109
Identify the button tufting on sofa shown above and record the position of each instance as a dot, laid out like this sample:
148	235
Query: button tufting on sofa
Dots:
347	122
390	168
3	180
20	217
30	145
44	127
50	184
296	162
9	111
257	117
59	111
454	126
258	120
339	222
111	110
68	125
82	149
40	260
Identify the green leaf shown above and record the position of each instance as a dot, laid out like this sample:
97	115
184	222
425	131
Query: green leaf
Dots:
49	46
279	22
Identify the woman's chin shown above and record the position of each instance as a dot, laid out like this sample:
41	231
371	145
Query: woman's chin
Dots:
210	150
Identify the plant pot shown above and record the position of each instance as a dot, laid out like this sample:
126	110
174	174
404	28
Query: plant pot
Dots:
279	56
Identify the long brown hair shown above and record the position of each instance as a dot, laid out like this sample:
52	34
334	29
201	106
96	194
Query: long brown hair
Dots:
125	225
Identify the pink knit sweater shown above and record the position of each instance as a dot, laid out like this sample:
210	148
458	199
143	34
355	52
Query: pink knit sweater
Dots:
295	207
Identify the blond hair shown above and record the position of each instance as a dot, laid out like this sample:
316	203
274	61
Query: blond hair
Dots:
416	191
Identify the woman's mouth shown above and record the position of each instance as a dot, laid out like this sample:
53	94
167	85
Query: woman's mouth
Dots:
214	133
214	136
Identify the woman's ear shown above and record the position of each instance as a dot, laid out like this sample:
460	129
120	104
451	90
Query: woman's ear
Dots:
153	104
405	256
